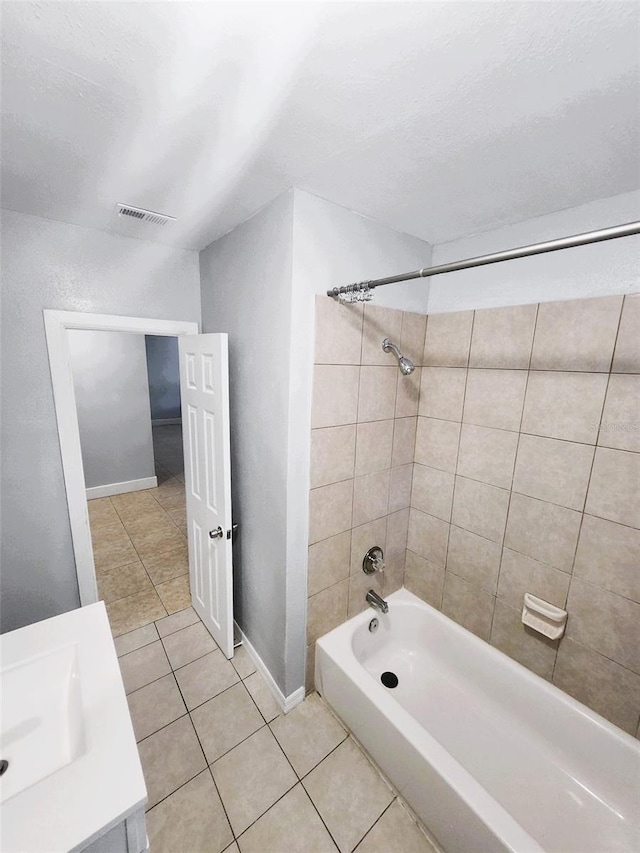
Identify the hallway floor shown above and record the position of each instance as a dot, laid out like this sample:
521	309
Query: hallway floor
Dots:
140	545
226	771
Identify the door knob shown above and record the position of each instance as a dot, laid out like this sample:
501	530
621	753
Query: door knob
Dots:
218	533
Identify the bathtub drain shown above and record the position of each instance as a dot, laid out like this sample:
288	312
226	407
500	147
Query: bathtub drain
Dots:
389	679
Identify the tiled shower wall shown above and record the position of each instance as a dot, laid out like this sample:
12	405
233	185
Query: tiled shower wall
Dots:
362	447
527	479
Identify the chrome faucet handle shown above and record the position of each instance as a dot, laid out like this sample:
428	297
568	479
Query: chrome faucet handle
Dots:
373	560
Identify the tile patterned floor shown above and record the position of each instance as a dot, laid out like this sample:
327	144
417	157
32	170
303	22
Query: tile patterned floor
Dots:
226	771
140	545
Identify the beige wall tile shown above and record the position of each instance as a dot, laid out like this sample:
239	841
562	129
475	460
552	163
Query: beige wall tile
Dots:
626	358
503	337
370	497
480	508
330	509
414	327
620	427
364	537
338	332
332	454
544	531
468	605
408	394
609	556
397	531
329	562
448	339
377	396
326	610
494	398
442	392
576	335
424	579
528	647
380	323
473	558
393	577
610	689
400	487
335	395
564	405
437	443
552	470
520	574
605	622
432	491
614	489
373	447
487	454
359	585
428	537
404	441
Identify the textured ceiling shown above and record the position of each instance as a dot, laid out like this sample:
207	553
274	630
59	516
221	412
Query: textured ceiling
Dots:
439	119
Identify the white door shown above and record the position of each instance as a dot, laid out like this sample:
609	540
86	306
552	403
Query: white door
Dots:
204	390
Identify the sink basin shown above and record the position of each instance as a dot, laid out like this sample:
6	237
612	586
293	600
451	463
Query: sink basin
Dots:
42	727
66	734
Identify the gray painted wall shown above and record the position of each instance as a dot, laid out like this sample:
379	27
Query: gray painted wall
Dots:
601	269
259	284
246	291
47	264
112	401
163	368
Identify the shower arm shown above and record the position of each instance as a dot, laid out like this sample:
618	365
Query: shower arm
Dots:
496	257
387	346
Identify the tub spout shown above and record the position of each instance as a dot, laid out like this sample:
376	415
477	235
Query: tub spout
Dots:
375	601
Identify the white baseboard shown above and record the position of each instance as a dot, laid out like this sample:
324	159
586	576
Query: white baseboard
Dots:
120	488
285	703
165	421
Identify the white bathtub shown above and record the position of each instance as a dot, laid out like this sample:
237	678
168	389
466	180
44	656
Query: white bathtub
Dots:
490	756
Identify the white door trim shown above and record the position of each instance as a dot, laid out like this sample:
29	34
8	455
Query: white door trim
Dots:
56	324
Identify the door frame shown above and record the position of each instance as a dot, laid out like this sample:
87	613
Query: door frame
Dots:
56	324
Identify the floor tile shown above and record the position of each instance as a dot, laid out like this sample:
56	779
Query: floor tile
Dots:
134	611
348	817
308	734
188	644
114	550
143	666
226	720
170	758
151	545
191	820
154	706
233	848
396	830
242	662
123	581
262	696
145	521
251	778
205	678
135	639
101	513
175	594
170	564
177	621
291	825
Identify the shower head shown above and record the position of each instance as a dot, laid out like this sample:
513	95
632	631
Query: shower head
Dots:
405	364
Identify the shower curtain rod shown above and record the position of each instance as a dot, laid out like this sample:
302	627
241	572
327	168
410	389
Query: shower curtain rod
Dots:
494	258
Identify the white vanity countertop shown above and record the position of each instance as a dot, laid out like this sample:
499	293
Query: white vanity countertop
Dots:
74	770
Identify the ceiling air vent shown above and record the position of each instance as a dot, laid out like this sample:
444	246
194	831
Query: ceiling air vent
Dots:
144	215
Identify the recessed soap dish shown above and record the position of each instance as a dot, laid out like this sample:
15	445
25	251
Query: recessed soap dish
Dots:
543	617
